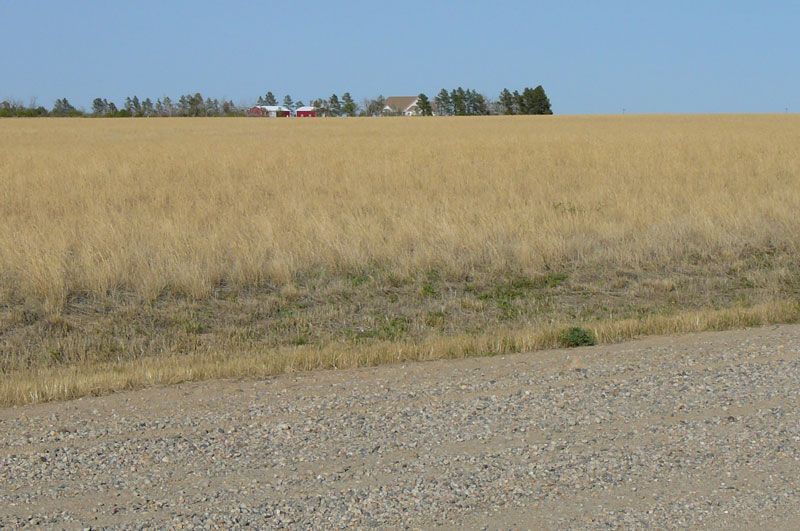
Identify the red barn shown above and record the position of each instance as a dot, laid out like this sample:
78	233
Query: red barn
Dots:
306	112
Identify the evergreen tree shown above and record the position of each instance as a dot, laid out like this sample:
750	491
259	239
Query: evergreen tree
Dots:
211	107
529	100
260	101
287	102
322	106
458	98
540	103
137	106
128	106
334	106
349	107
479	105
507	102
99	107
444	104
183	106
147	108
469	103
519	102
424	105
270	99
196	106
169	108
472	102
62	107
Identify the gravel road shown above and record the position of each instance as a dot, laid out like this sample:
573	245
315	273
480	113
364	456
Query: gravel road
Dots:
700	430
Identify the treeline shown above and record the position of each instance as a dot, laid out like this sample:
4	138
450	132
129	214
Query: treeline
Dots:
187	105
335	106
530	101
9	109
288	102
454	102
61	107
458	102
132	107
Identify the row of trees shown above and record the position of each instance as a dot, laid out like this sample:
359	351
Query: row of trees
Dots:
270	99
530	101
335	106
14	109
455	102
187	105
460	102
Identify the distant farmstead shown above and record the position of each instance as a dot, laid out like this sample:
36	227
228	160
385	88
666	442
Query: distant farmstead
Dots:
306	112
269	111
402	105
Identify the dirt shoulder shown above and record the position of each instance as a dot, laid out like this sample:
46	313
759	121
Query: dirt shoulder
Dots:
698	430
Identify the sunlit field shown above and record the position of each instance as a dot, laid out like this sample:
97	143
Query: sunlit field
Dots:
132	243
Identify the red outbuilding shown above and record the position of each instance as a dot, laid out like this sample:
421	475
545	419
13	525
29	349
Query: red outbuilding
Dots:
306	112
256	111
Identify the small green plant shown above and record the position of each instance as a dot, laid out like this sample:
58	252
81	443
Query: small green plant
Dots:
428	290
393	328
429	285
577	337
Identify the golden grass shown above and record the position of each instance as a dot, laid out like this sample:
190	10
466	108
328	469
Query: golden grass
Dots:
61	383
109	227
180	206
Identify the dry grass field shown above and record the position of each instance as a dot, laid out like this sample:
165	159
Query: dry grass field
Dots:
146	251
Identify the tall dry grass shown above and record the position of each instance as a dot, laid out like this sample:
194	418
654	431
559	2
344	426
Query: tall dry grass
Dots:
139	252
148	207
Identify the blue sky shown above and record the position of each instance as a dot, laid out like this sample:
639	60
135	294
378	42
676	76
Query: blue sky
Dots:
591	56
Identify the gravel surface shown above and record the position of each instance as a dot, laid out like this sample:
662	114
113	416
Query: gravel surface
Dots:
700	430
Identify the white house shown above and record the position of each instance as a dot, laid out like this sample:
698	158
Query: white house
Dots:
403	105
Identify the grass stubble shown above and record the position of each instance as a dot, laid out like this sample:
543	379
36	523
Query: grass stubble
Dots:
142	252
